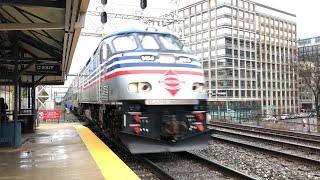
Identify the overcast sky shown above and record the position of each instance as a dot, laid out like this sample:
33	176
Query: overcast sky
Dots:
307	12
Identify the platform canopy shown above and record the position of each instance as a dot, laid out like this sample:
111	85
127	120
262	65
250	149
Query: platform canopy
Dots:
38	39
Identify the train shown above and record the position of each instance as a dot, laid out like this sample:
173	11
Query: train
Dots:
142	87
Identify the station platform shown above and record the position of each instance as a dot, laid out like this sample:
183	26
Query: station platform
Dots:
62	151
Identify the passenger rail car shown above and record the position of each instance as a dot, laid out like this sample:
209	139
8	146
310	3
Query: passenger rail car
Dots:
142	87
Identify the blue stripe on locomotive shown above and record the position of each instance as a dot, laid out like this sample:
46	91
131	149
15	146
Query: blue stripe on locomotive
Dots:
151	65
138	64
135	57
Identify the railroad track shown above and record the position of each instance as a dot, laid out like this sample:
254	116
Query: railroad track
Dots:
186	165
309	155
129	159
298	140
146	168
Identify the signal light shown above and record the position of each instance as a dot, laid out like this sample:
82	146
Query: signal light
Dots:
137	130
194	87
199	127
136	118
103	17
199	87
200	116
138	87
145	87
104	2
143	4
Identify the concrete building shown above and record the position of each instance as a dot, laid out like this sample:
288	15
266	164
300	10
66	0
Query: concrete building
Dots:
247	50
308	50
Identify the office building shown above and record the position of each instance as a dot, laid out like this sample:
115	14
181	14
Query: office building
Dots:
308	51
247	51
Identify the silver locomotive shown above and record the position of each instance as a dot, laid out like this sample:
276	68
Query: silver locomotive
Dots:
142	87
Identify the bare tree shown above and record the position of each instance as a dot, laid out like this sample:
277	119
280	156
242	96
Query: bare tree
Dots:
309	72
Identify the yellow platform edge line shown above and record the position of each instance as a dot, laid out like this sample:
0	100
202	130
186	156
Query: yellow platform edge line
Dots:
111	166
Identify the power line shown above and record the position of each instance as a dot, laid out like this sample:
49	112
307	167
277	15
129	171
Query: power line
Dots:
166	19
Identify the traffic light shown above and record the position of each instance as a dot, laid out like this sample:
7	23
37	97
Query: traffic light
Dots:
143	4
104	2
103	17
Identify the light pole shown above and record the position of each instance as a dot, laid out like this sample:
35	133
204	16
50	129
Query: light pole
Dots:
226	94
278	104
227	101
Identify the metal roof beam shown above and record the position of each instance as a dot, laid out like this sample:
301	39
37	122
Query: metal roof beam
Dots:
39	81
26	68
24	62
41	3
41	73
28	59
30	26
51	50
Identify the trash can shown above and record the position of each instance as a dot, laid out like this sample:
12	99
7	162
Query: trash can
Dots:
27	122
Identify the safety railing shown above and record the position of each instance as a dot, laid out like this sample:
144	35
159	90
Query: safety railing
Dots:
301	124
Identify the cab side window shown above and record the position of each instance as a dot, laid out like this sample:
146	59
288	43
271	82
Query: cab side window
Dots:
105	52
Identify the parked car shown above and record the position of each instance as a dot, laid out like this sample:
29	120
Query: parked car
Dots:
312	114
296	116
302	115
270	118
285	116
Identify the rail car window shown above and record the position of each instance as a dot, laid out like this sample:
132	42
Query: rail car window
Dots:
104	53
125	43
148	42
170	42
94	64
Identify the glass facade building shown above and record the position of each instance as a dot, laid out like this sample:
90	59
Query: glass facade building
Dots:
308	50
247	51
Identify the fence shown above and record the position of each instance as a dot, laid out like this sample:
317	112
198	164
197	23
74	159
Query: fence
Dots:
303	124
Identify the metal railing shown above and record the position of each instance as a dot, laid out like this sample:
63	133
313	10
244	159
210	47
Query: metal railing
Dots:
300	124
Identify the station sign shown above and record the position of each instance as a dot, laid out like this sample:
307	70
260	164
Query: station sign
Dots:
48	67
49	114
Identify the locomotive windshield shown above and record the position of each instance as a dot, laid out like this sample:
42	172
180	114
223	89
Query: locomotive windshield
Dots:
168	42
147	41
125	43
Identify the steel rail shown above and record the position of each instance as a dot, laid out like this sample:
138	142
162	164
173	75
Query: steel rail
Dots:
311	138
293	145
159	172
218	166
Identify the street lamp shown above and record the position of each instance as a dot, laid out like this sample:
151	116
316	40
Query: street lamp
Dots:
217	94
226	94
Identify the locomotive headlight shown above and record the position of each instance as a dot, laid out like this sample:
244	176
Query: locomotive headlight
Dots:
198	87
138	87
201	87
133	87
185	59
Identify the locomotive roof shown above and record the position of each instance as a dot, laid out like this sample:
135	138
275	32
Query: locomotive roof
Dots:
151	29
